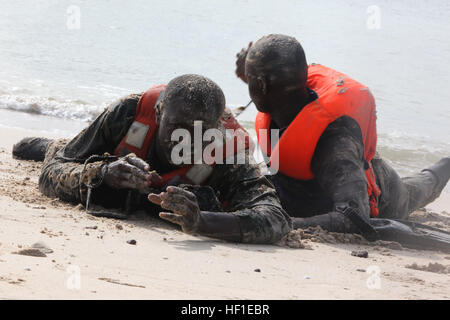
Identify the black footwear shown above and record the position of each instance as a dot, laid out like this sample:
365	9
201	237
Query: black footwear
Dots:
412	234
31	149
441	171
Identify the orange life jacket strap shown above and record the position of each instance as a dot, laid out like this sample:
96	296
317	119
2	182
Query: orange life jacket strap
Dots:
141	132
373	191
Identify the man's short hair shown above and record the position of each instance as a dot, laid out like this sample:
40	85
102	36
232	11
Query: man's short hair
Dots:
199	93
280	59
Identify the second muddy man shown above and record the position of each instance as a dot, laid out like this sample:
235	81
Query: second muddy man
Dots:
327	150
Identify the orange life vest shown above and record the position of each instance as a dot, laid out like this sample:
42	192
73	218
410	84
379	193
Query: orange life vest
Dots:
338	96
140	136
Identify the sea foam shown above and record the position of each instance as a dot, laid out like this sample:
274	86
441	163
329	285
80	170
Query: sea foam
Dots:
51	106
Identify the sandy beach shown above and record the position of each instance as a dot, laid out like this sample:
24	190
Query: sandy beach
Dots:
83	257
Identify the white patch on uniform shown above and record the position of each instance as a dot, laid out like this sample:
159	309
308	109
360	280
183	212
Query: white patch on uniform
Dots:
136	134
199	173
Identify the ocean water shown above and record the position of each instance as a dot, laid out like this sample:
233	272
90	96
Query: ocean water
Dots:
62	62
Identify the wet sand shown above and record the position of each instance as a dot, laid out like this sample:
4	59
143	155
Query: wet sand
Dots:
82	257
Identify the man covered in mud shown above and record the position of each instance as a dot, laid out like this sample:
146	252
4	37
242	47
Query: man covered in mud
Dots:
124	159
328	171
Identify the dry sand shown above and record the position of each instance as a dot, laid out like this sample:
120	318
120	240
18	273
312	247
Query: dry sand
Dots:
71	255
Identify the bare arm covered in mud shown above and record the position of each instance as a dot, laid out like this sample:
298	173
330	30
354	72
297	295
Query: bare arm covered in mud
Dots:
64	174
339	168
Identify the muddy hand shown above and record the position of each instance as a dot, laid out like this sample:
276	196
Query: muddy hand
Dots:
240	62
184	207
130	172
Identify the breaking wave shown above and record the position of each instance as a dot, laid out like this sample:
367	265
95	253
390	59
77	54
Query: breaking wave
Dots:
50	106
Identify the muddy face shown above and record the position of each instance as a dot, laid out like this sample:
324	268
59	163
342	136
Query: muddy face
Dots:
275	68
177	114
257	88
